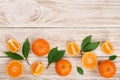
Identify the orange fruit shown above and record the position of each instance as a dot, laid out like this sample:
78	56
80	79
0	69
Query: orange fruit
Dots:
63	67
37	68
73	49
13	45
89	60
40	47
14	68
107	47
107	69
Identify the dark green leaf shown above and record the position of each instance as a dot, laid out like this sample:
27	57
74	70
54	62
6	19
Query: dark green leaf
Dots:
80	70
86	41
92	46
51	54
14	56
26	48
113	57
59	55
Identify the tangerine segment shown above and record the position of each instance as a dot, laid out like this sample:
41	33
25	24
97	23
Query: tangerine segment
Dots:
89	60
107	69
37	68
73	49
40	47
14	68
13	45
107	47
63	67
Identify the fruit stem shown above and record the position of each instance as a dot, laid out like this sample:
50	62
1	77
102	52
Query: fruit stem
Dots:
48	65
81	52
27	61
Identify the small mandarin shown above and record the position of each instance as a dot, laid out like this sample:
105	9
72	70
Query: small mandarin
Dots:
63	67
107	69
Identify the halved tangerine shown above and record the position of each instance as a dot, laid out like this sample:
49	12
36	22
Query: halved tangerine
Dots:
89	60
14	68
13	45
73	49
107	47
37	68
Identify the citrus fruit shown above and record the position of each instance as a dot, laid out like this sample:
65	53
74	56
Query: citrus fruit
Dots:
63	67
13	45
107	47
37	68
89	60
14	68
107	69
73	49
40	47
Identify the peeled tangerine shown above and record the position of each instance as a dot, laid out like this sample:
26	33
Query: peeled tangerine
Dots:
37	68
73	49
107	47
13	45
89	60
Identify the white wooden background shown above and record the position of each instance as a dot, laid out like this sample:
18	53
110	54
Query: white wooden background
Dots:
59	21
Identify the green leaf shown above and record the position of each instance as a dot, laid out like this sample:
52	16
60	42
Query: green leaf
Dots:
14	56
55	55
80	70
113	57
90	47
26	48
86	41
51	54
59	55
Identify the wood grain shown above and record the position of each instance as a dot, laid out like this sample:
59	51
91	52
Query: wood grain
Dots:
60	13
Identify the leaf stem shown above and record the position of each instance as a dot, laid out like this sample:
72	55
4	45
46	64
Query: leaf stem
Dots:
48	65
27	61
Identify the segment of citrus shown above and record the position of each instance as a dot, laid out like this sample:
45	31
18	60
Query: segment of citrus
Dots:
73	49
40	47
107	69
107	47
14	68
37	68
63	67
89	60
13	45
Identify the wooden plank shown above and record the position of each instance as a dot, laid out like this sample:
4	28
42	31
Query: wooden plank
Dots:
60	36
51	74
52	13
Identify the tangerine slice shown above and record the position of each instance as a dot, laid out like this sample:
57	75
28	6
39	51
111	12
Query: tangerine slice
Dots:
89	60
37	68
107	47
14	68
13	45
73	49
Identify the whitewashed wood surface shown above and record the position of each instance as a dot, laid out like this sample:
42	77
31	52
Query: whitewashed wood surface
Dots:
59	21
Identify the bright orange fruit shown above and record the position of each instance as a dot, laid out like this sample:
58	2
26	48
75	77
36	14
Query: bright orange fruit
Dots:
40	47
63	67
13	45
107	47
89	60
107	69
37	68
73	49
14	68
